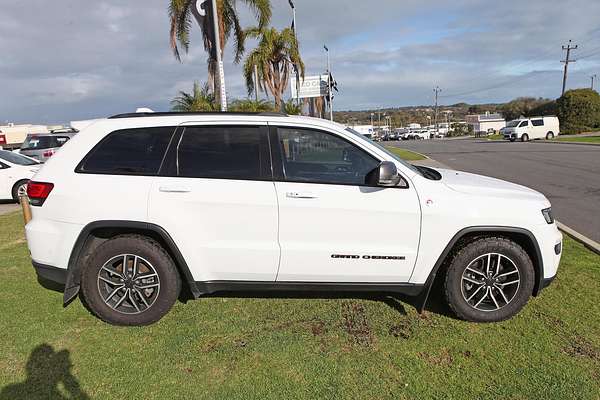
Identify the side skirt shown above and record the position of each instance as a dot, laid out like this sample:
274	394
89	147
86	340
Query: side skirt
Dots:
211	287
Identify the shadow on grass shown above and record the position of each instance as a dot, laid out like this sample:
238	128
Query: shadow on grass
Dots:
46	370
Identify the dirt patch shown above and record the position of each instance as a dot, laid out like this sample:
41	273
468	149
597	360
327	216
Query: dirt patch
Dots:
581	347
356	324
444	359
403	330
317	328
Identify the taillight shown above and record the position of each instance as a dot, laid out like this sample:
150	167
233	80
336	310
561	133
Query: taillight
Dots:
48	153
38	192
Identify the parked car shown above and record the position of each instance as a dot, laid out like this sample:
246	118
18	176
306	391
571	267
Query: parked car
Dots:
139	205
43	146
15	171
525	129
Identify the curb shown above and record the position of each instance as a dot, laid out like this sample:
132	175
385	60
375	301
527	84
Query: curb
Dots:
564	142
586	241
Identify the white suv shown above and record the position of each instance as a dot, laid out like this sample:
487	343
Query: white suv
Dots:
138	206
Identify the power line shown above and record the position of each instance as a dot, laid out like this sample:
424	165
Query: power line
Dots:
566	61
495	86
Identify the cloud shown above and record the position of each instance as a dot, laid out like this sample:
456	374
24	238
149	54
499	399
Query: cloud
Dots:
71	59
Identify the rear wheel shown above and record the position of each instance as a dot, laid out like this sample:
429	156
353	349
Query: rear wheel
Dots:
489	280
550	135
130	280
525	138
19	189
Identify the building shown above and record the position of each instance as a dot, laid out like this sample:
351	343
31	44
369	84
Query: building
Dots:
486	122
11	135
366	130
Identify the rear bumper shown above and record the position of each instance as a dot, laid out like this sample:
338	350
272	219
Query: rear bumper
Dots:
50	273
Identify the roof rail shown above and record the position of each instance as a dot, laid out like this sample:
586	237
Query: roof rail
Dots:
173	113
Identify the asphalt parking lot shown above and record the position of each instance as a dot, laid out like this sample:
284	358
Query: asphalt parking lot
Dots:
569	175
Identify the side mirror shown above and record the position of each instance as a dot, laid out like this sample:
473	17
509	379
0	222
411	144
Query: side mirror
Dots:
388	174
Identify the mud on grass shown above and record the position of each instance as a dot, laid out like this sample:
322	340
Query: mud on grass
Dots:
300	348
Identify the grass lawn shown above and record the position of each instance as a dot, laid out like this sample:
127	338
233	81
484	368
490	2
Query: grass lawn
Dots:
298	348
495	136
583	139
405	154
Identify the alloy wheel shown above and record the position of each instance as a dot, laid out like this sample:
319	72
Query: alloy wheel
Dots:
128	284
490	282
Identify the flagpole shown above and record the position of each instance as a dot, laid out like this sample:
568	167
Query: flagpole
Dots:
220	70
298	45
329	76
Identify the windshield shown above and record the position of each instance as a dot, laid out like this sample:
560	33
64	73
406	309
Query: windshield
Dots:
35	142
15	158
512	124
394	156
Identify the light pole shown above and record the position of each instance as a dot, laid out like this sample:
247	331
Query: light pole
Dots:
593	77
220	70
372	115
328	82
298	45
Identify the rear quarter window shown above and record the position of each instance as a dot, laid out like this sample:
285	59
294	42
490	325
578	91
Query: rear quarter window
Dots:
137	151
537	122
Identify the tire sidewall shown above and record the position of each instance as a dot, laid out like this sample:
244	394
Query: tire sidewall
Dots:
454	279
525	138
170	284
549	136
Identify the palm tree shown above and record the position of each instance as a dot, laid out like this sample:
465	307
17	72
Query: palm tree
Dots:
291	108
182	13
249	105
201	99
276	52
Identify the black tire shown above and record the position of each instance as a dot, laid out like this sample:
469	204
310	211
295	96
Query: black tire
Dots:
15	189
456	293
525	138
512	139
146	250
550	135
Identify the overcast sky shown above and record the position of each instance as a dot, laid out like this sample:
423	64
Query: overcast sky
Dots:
71	59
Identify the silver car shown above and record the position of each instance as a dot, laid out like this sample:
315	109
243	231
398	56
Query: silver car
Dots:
42	146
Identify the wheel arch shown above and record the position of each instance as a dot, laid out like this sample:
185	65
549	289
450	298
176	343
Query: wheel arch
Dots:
95	233
521	236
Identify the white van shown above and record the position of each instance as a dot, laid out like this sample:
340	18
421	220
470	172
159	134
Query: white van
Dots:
525	129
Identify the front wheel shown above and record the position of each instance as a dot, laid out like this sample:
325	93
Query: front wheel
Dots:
489	280
130	280
525	138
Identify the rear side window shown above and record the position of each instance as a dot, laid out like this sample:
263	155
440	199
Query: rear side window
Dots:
34	142
129	152
537	122
225	152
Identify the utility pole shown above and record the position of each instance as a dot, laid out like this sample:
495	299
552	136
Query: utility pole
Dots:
328	83
593	77
220	70
298	45
437	90
567	60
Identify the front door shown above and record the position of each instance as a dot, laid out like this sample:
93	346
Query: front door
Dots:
216	198
333	227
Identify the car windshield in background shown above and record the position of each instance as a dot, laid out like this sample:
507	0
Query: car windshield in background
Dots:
15	158
512	124
43	142
394	156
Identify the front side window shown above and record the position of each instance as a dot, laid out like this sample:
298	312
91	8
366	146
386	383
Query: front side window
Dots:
524	123
537	122
129	152
224	152
319	157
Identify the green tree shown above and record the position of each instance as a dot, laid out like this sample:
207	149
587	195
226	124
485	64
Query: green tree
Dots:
522	106
276	53
291	108
201	99
183	12
579	110
248	105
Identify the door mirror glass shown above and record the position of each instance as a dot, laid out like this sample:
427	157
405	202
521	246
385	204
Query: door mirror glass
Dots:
388	174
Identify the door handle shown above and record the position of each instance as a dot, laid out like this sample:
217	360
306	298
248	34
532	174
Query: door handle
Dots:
174	189
301	195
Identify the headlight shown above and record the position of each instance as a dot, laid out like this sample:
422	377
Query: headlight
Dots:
547	213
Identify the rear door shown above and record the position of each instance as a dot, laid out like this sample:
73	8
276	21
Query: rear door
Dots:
216	198
334	228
